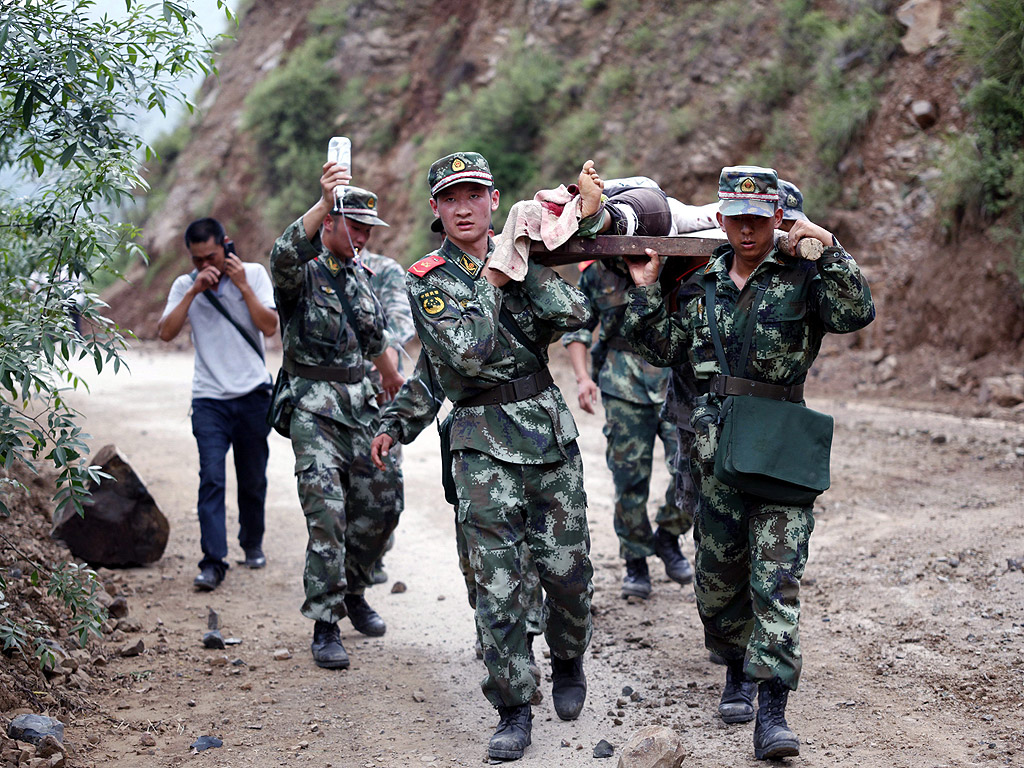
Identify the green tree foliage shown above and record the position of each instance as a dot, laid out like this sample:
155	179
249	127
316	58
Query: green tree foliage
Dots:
985	166
72	83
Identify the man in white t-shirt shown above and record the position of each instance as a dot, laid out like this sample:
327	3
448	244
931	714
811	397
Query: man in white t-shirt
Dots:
230	306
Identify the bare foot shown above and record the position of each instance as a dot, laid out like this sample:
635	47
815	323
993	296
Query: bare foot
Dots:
591	186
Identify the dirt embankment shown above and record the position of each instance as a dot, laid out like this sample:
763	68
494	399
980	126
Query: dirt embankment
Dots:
911	616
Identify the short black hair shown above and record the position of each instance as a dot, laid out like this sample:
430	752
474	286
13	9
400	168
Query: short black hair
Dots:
201	230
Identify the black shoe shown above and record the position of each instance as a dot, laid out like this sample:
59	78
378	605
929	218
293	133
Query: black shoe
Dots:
209	578
328	652
363	617
513	734
568	687
637	581
737	703
677	567
254	558
380	576
772	737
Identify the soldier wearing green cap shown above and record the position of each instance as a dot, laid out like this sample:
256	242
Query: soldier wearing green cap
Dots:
791	201
515	465
750	551
332	324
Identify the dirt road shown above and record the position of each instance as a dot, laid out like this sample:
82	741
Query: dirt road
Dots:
913	615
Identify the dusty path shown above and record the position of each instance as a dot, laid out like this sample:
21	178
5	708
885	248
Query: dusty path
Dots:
913	619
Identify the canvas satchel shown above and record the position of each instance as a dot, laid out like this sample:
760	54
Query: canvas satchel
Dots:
775	449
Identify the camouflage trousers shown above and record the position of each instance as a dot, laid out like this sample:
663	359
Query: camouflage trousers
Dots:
501	507
351	509
750	558
531	595
631	430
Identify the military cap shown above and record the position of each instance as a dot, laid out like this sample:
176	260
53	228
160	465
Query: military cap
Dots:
458	168
791	201
359	205
748	190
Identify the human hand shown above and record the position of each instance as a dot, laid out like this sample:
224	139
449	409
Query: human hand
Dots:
207	278
233	269
334	175
391	382
644	271
587	394
379	450
802	229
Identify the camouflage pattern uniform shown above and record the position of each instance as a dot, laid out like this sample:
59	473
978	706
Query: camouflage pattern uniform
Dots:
387	278
751	552
516	465
351	508
414	407
632	392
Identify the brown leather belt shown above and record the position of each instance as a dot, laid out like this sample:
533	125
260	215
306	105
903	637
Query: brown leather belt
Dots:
511	391
734	385
342	374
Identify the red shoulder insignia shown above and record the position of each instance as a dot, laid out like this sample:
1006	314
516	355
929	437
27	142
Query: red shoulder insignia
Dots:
585	264
424	265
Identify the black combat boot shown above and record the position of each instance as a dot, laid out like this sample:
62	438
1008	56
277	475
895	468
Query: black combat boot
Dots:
363	617
513	734
568	686
637	581
737	704
328	652
772	737
677	567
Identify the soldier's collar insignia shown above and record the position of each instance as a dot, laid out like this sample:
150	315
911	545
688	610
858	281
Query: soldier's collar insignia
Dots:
332	264
427	263
467	264
458	164
432	302
327	289
747	185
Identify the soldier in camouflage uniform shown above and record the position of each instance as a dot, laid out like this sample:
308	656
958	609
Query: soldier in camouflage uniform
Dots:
333	323
632	393
751	552
515	464
387	278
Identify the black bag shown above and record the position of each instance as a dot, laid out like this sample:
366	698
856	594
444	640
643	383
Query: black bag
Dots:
279	416
444	429
774	449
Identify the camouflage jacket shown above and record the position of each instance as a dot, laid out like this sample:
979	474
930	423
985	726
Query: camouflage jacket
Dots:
803	301
316	331
471	351
416	404
624	373
387	278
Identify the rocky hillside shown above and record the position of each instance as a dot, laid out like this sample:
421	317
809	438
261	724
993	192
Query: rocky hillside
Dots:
853	101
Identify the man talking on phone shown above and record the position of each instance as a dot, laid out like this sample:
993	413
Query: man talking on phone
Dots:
230	307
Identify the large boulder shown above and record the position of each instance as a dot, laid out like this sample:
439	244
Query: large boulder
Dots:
122	525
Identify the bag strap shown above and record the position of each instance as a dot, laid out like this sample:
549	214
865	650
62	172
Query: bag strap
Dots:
349	314
709	306
212	298
504	316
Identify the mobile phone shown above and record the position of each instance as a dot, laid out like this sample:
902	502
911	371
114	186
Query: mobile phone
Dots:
229	247
339	150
